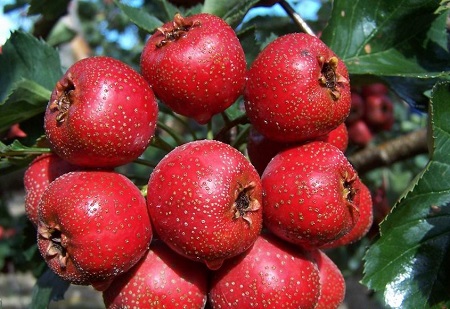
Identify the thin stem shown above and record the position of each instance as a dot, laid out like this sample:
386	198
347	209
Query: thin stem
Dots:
144	162
209	132
169	131
222	133
159	143
31	151
296	17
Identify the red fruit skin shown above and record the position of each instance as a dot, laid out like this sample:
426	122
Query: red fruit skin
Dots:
332	282
363	224
374	89
379	113
284	97
93	226
199	74
110	118
310	195
271	274
204	199
359	133
38	176
337	137
161	279
357	108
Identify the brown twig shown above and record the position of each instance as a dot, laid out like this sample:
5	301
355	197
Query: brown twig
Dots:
296	17
398	149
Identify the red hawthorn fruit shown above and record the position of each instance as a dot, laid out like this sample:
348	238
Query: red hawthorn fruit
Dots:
297	89
271	274
161	279
363	224
379	112
195	65
204	199
310	194
381	209
332	282
92	226
357	108
38	176
102	113
261	150
374	89
359	133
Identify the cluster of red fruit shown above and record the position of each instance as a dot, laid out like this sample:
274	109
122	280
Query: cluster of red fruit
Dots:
372	111
213	230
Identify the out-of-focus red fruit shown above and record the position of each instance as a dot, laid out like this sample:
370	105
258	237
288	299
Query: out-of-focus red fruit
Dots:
161	279
271	274
359	133
363	224
15	132
374	89
379	112
332	282
357	108
381	209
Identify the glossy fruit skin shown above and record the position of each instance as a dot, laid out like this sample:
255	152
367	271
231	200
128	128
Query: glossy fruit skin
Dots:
310	194
297	89
195	65
332	282
261	150
363	224
38	176
92	226
161	279
271	274
102	113
204	198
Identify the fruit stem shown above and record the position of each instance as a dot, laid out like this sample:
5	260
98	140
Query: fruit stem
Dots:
220	136
144	162
209	131
159	143
296	17
169	131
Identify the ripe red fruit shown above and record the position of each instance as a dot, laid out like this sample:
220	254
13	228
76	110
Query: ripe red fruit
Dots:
363	224
297	89
379	113
357	108
204	199
359	133
101	113
161	279
332	282
92	226
272	274
310	194
38	176
196	65
337	137
374	89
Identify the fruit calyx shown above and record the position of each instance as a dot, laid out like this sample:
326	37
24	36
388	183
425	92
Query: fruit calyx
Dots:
329	77
244	203
62	103
349	181
55	244
180	27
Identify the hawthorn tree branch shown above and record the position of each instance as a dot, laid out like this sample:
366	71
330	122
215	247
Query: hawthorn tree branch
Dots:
296	17
398	149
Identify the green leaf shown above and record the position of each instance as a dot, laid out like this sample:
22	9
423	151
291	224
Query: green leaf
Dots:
27	99
141	18
25	57
50	9
408	264
48	287
60	34
232	11
385	37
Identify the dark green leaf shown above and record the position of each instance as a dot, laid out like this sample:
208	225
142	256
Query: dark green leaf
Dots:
48	287
232	11
60	34
141	18
27	99
25	57
409	263
50	9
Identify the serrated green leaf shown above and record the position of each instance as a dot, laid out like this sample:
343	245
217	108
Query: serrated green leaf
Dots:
25	57
140	18
409	265
48	287
27	99
232	11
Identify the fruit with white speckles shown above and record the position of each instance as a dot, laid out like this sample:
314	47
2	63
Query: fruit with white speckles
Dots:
196	65
204	199
92	226
297	89
272	274
332	283
38	176
161	279
102	113
310	194
363	224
